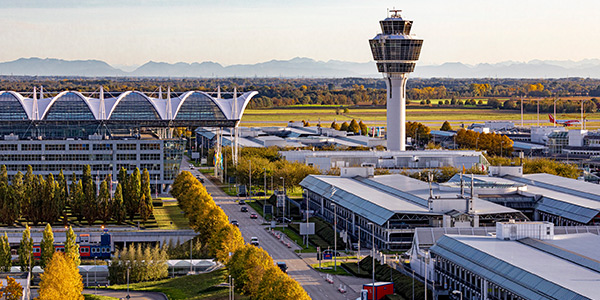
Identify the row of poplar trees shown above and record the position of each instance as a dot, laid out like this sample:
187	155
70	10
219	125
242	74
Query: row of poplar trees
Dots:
40	199
253	269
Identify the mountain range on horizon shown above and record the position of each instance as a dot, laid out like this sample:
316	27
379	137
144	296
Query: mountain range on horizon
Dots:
299	68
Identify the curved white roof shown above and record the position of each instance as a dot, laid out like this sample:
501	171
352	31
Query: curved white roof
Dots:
102	109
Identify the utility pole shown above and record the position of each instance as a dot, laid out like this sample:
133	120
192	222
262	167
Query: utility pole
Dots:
250	179
334	237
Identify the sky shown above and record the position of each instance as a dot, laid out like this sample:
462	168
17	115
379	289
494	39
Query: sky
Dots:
132	32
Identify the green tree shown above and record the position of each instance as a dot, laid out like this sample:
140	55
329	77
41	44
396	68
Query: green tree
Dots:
77	199
49	210
446	126
132	201
90	207
26	251
118	211
71	246
104	205
146	206
47	246
61	279
5	255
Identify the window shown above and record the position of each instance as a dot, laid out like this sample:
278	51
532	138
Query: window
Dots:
127	147
8	147
134	106
69	106
149	147
150	156
199	106
79	147
54	147
31	147
101	147
126	156
11	108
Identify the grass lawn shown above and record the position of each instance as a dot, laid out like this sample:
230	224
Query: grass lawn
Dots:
170	216
193	287
299	240
430	115
98	297
327	267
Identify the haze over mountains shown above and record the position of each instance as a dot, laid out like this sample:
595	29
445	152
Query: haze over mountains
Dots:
299	67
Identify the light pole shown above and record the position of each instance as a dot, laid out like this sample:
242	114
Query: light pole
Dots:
284	196
413	285
306	196
265	175
95	279
374	291
129	267
426	271
334	236
455	292
250	179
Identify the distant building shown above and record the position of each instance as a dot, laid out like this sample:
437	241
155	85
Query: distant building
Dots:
68	130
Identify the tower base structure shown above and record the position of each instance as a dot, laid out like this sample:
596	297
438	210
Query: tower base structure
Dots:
396	111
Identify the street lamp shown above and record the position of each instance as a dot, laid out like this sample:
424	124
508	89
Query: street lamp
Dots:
284	196
457	292
426	270
265	175
128	267
334	236
374	291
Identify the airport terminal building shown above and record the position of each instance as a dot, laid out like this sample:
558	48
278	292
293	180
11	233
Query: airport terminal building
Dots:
107	131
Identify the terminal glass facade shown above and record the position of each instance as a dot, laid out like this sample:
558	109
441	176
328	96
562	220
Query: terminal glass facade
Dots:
199	106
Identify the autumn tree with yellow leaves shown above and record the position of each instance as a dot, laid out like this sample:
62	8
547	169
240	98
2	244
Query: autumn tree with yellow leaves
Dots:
61	279
13	290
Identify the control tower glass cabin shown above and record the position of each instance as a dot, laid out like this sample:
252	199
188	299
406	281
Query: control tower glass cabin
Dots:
396	53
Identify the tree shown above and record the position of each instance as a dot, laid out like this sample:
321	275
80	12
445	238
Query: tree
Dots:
132	198
47	246
104	204
26	250
71	246
335	125
146	206
344	126
353	127
13	290
90	207
5	255
118	211
61	279
277	285
364	130
446	126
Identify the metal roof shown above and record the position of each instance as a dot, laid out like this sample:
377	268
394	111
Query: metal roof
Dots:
565	197
380	197
524	270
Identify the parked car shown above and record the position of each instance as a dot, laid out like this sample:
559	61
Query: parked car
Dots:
235	223
259	194
283	266
244	209
200	179
254	241
242	202
191	167
253	216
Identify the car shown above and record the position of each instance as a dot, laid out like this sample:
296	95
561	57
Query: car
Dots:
260	194
283	266
244	209
191	167
253	216
283	220
200	179
254	241
235	223
242	202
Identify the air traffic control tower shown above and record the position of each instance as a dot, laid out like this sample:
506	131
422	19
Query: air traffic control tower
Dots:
396	53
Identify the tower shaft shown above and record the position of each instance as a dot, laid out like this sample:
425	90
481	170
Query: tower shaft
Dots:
396	111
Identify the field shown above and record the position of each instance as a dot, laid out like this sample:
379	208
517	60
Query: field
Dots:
430	116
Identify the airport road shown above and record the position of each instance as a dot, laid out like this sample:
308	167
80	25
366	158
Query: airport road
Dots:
312	281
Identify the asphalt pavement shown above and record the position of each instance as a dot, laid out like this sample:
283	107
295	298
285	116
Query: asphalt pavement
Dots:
312	281
122	294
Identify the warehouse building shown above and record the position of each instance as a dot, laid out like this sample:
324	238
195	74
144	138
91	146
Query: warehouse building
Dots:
522	261
395	205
